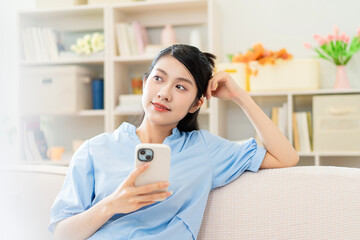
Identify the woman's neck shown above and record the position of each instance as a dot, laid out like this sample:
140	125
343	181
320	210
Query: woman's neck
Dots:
151	133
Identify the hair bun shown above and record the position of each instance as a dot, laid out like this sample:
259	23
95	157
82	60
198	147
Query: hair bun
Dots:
211	58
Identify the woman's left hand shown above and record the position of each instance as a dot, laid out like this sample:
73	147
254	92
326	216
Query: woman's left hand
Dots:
222	86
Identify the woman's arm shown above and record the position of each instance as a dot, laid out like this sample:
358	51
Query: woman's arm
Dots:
280	152
125	199
85	224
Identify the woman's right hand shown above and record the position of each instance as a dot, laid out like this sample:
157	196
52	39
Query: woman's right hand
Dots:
128	198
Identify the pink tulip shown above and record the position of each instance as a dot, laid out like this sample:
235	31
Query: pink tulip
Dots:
316	37
343	37
307	45
330	38
320	40
336	30
346	40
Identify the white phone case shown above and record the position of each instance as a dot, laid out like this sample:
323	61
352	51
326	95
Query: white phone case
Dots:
159	169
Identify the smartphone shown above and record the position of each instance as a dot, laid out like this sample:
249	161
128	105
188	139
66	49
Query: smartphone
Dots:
158	155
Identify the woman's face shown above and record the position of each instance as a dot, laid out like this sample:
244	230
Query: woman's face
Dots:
169	92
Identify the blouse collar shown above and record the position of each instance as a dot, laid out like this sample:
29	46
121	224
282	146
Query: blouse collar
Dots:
131	129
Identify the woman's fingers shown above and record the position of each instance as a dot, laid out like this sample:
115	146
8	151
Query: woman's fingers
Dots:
130	181
149	197
150	188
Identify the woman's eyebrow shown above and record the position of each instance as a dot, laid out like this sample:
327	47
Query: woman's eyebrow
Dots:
180	78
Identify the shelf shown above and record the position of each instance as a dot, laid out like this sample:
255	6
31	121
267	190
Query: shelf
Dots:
85	113
152	13
305	92
64	12
41	168
329	154
130	112
127	112
92	112
93	61
160	5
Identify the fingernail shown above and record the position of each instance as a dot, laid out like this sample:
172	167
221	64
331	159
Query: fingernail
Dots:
170	193
166	184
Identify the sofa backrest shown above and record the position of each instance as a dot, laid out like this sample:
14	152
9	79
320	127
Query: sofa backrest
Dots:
289	203
27	195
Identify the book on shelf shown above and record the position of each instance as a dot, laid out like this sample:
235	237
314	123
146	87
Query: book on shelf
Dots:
34	143
295	133
39	44
279	117
302	131
131	38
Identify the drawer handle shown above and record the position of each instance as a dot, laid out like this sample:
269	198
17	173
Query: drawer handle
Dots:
46	80
342	111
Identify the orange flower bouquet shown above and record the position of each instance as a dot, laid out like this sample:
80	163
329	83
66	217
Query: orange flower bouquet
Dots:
262	56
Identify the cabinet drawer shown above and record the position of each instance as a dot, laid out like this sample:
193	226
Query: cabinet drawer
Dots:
336	123
55	90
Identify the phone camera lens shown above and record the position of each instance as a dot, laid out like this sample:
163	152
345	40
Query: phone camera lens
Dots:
148	157
142	152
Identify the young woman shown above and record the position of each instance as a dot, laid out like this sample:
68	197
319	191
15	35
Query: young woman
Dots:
99	200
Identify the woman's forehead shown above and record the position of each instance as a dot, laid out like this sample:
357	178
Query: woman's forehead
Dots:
173	67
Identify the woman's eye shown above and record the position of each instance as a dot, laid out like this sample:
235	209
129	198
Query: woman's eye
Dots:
180	87
157	78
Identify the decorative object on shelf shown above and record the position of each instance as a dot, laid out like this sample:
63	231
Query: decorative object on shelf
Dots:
264	70
89	44
341	80
136	85
339	50
97	87
336	123
55	153
168	36
262	56
55	89
129	102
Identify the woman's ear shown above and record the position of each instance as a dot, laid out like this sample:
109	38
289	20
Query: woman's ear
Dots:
196	105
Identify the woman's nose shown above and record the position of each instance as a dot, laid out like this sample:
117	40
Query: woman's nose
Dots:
165	93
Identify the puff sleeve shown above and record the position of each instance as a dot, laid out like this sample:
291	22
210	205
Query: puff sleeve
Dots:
229	159
77	192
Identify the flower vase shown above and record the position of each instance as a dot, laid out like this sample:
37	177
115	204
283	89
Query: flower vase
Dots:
168	36
342	80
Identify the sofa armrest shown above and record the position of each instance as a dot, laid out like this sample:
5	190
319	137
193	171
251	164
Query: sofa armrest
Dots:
28	193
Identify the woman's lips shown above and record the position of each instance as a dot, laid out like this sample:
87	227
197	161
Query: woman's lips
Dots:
159	107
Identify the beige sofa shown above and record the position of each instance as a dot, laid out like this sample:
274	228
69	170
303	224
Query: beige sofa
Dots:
288	203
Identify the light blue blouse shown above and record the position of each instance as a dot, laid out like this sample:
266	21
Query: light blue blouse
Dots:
200	162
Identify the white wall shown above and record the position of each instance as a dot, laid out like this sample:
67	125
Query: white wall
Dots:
9	76
275	23
289	23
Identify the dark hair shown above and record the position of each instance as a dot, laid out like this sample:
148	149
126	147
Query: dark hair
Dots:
200	65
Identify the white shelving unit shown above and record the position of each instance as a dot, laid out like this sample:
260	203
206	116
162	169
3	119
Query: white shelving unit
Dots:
223	118
183	15
237	127
70	23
